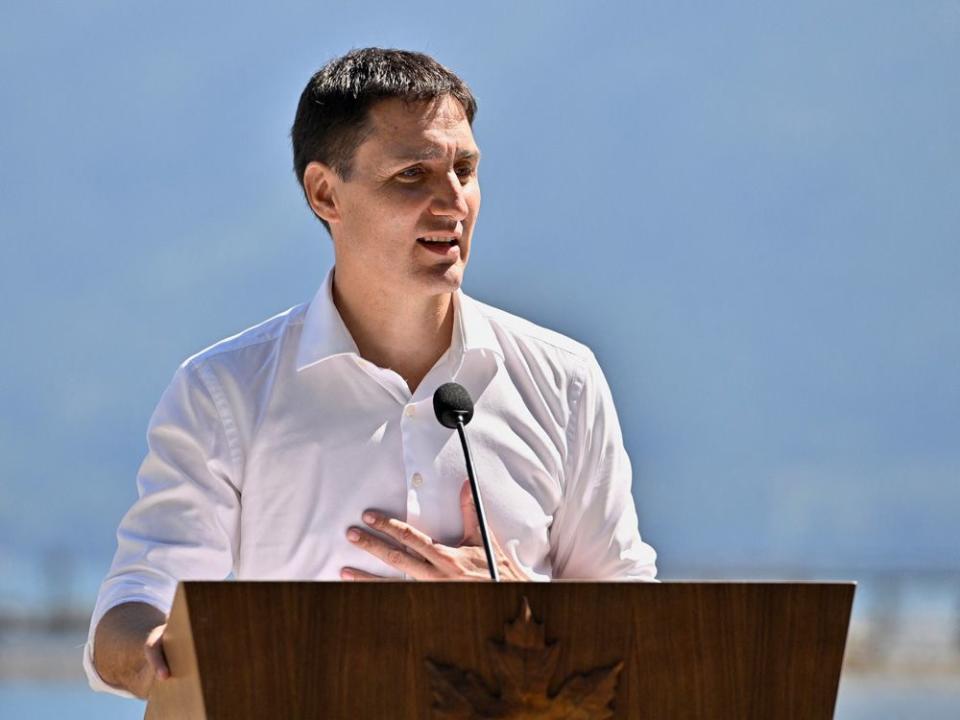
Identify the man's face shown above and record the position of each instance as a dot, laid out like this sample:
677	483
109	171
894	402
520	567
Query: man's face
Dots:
414	182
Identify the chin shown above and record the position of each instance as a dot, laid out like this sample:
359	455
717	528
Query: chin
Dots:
442	279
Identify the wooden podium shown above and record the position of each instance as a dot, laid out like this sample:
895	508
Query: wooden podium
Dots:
644	651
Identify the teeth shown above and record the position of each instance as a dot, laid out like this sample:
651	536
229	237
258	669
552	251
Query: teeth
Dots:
438	239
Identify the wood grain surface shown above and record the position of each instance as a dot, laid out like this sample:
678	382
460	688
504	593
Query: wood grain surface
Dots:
359	650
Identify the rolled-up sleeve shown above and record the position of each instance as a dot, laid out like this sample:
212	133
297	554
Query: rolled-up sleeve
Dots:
595	532
184	524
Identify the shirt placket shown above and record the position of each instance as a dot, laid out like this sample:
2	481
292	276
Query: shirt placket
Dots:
417	421
413	415
414	465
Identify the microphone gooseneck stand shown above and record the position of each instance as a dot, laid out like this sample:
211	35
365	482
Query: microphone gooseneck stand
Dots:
453	407
475	489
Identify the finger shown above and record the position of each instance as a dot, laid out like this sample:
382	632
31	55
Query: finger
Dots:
153	649
421	544
349	573
471	522
158	662
471	525
392	555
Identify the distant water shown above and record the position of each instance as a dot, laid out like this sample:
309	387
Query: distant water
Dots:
39	701
882	698
860	699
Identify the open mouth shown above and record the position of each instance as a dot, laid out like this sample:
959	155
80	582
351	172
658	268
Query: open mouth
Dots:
440	244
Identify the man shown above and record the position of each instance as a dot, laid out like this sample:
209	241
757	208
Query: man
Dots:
306	447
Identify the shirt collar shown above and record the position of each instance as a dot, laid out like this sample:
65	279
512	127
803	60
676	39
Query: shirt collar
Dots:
325	336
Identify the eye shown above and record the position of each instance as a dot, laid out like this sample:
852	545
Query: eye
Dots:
411	173
465	171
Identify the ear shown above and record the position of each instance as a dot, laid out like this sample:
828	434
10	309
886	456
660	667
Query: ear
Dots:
319	185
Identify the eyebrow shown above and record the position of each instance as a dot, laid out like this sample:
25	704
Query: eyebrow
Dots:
406	155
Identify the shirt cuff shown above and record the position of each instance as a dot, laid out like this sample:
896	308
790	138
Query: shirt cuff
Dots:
104	605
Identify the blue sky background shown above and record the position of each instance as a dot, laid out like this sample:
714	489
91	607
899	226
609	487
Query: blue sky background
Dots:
750	213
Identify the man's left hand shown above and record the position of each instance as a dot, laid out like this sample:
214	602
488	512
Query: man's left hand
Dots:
420	558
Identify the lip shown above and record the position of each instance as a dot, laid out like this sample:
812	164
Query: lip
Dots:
453	234
442	249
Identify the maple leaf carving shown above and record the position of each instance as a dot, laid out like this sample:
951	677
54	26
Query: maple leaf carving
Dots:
459	694
523	665
589	696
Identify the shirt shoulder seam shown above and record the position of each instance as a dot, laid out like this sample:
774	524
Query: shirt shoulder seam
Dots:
210	383
573	427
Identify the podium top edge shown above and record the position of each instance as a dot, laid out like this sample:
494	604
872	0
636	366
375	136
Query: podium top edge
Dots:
851	583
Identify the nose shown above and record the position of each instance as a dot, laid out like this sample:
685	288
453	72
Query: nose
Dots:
450	198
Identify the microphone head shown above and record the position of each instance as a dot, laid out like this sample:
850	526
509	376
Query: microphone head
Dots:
452	402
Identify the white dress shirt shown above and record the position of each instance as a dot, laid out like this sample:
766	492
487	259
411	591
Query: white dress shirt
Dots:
268	445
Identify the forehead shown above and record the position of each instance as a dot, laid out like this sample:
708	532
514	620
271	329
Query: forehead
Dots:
428	129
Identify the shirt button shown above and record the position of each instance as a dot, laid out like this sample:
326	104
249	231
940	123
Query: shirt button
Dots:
411	410
417	479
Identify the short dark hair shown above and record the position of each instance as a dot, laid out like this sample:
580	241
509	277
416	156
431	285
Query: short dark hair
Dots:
332	116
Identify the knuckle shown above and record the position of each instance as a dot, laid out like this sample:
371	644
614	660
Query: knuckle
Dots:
394	557
444	552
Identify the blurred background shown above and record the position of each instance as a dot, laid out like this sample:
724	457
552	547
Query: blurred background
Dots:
750	213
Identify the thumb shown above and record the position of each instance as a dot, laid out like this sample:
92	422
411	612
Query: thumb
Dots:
153	649
471	526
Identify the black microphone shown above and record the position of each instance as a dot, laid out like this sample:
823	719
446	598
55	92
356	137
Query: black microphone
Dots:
454	409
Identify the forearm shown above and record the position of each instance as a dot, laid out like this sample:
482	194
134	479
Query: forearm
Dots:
119	646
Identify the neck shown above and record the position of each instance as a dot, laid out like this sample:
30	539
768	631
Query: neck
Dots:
404	333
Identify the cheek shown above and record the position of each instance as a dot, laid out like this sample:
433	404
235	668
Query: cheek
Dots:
411	195
404	206
394	211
